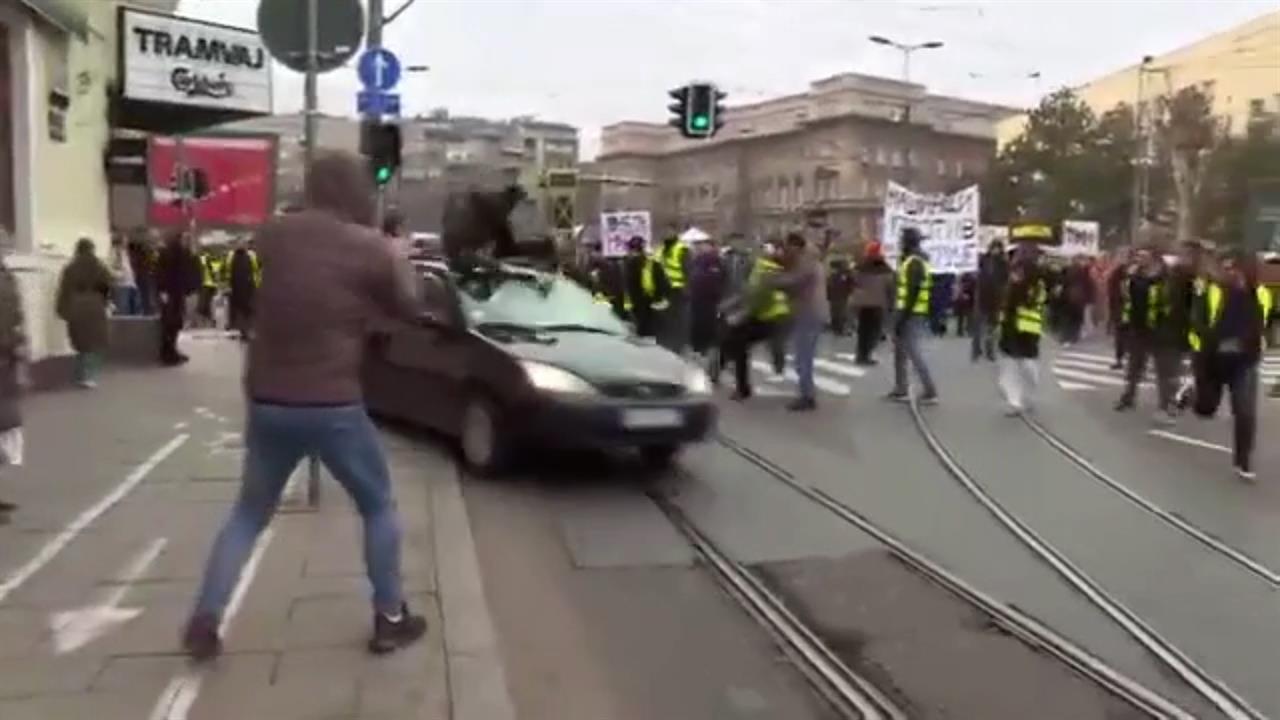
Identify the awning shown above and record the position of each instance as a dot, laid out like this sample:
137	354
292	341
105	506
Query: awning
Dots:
69	16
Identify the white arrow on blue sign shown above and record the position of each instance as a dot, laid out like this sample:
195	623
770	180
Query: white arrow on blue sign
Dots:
379	69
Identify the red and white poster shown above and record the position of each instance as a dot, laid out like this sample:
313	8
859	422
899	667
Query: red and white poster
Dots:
224	181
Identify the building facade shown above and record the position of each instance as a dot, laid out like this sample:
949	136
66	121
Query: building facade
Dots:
1239	69
821	158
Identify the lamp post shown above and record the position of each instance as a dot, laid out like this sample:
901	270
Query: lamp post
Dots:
906	50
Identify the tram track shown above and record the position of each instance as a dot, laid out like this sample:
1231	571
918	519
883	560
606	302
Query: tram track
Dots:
1199	679
845	689
1242	559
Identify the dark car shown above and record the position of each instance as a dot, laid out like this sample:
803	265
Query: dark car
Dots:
511	357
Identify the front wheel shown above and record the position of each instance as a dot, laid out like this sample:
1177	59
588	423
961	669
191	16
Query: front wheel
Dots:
659	456
484	446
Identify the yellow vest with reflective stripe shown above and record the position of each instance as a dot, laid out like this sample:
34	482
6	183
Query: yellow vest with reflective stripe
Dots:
1029	317
673	263
1213	300
926	284
647	285
1155	302
1198	289
778	306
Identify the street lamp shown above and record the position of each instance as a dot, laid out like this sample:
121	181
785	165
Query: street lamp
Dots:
906	51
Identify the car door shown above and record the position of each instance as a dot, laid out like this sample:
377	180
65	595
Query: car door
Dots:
427	356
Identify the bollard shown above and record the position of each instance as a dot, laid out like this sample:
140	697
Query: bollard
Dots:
313	482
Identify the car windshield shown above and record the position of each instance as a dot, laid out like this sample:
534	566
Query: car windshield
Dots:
536	301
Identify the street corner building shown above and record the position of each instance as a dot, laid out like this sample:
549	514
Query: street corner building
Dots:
85	84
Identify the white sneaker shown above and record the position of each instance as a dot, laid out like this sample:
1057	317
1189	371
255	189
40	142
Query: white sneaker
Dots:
88	384
1246	475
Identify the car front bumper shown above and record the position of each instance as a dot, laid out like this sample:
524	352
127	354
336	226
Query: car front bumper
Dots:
602	423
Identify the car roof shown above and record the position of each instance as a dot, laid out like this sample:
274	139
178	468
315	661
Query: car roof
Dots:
439	265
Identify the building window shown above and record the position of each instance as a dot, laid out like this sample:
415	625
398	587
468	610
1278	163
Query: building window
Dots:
912	160
715	191
881	156
942	166
897	158
959	168
1257	107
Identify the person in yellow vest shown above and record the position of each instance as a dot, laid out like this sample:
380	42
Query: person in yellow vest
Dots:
1144	312
911	312
674	256
1020	326
1228	326
244	275
644	289
751	317
210	272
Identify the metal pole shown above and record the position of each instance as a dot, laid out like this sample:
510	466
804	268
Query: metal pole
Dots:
309	150
906	64
375	41
1139	152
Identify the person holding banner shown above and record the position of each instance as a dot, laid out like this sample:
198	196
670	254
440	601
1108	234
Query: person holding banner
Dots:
911	313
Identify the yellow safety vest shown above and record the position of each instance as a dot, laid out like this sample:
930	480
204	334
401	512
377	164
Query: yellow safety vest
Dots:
1155	303
210	271
778	307
926	285
1029	317
647	285
253	262
1198	289
673	263
1213	300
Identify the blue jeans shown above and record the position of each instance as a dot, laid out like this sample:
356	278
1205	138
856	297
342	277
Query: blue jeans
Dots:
87	366
128	301
276	439
906	345
805	332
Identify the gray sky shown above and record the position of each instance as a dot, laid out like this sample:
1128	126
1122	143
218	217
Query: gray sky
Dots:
594	62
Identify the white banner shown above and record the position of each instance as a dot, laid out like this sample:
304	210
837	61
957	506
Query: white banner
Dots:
988	234
617	228
1079	237
948	224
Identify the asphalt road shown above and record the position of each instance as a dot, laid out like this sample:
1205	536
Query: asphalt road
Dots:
593	589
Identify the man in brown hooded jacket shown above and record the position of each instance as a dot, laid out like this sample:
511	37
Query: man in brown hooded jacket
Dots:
326	275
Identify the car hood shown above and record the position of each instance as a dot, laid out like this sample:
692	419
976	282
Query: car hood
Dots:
599	358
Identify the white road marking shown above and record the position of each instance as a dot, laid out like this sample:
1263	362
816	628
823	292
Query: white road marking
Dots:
1076	365
180	426
1197	442
825	384
839	368
1087	377
60	541
1105	359
1068	385
179	696
73	629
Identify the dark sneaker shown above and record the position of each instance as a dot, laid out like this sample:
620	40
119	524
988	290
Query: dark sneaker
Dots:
802	405
7	507
201	639
389	636
897	396
1123	404
740	395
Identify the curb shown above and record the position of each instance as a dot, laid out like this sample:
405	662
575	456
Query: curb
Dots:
477	679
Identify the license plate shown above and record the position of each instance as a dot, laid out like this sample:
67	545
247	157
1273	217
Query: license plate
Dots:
649	419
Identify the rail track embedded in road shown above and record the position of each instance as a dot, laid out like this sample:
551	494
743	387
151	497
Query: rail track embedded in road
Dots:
851	694
1239	557
1018	623
1210	687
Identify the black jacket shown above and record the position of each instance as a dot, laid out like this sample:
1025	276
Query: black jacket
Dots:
993	277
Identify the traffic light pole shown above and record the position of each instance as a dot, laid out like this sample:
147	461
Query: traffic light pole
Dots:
375	41
308	154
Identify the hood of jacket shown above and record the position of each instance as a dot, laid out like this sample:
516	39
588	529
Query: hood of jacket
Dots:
339	185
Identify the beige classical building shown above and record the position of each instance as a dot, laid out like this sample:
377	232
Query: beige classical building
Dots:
1239	68
822	158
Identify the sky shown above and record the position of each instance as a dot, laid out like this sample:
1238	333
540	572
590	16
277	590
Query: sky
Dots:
595	62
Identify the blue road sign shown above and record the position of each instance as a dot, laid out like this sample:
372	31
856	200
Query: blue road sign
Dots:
379	69
373	104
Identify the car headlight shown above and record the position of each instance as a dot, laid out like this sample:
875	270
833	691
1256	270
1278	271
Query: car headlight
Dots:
555	380
696	381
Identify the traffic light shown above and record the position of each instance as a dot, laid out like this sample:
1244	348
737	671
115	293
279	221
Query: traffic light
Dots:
381	143
697	110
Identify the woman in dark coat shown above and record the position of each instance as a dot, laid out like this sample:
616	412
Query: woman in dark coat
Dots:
13	359
83	294
242	274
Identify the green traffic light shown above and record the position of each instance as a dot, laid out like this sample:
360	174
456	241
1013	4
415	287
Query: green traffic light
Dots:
700	122
383	175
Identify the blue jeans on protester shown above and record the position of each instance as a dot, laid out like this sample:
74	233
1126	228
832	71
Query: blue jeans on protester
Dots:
906	346
277	438
805	332
128	300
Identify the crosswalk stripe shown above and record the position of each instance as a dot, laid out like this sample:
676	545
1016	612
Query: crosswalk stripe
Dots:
1068	385
825	384
839	368
1106	359
1087	377
1086	364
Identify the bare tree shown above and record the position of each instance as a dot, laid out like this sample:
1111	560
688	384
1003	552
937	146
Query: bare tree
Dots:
1188	132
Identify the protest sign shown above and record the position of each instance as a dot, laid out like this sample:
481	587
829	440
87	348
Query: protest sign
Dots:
1079	237
617	228
948	224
